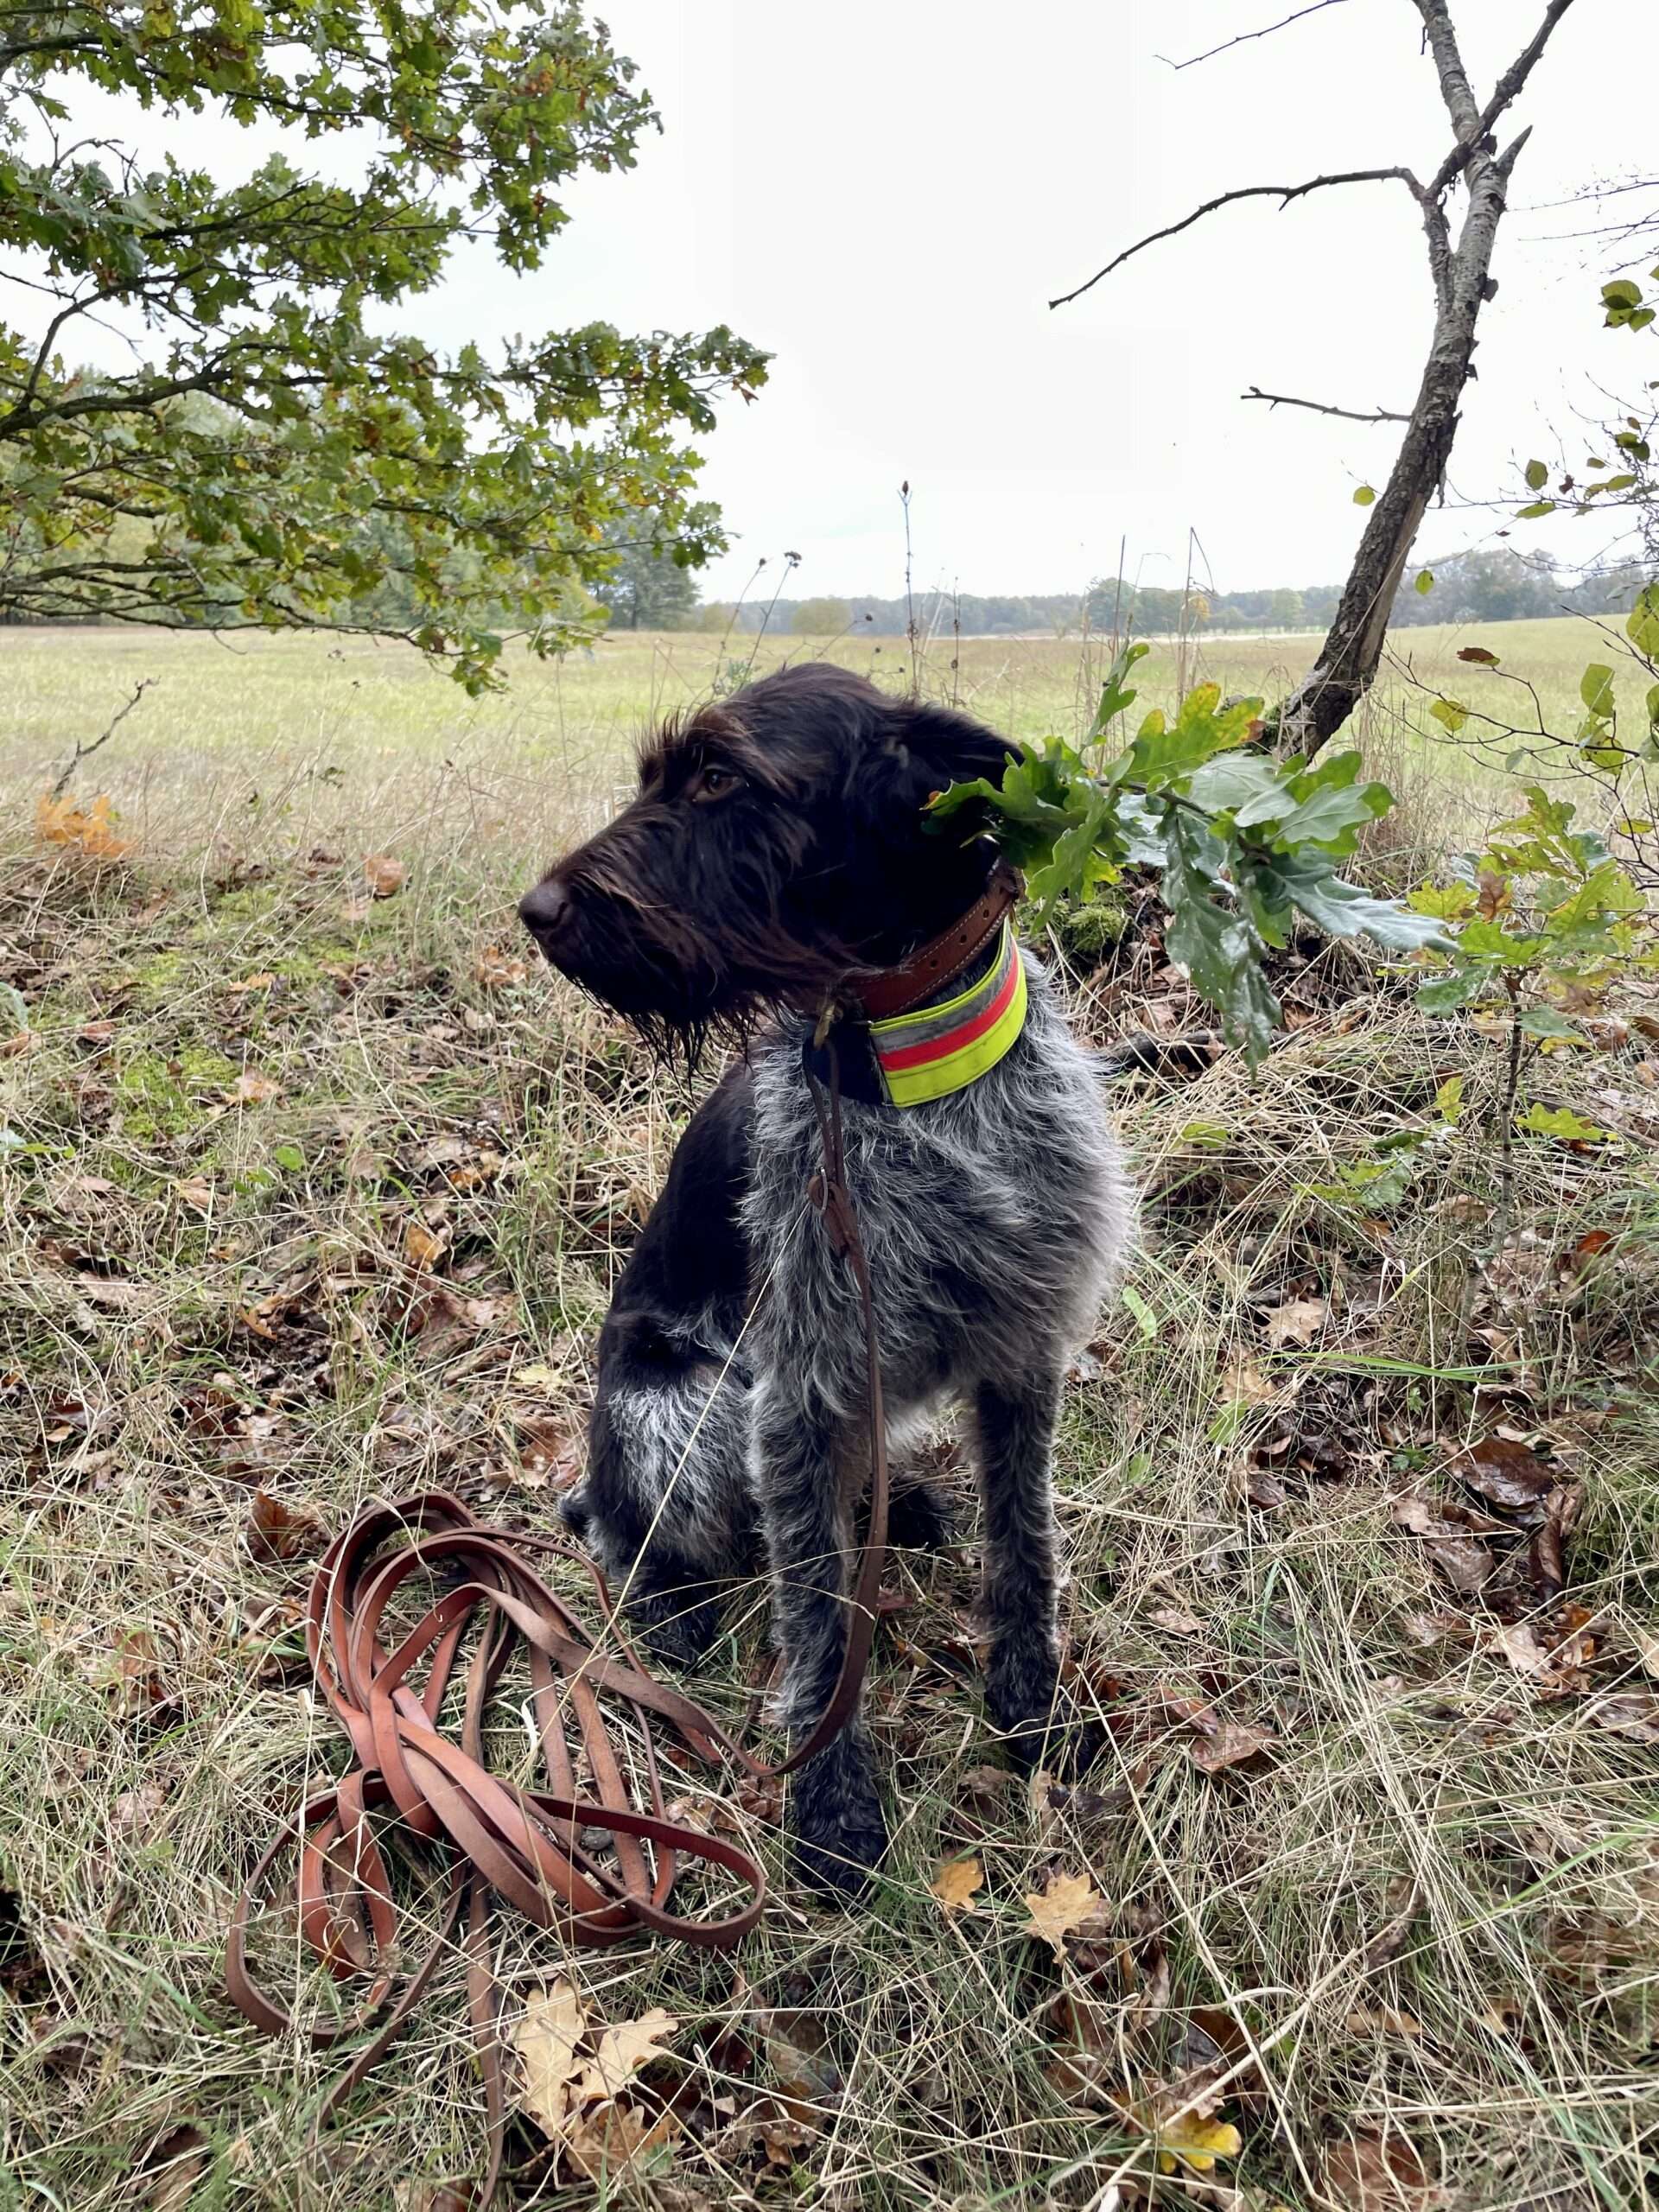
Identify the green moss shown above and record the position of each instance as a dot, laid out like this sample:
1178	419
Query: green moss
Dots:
164	1097
1089	933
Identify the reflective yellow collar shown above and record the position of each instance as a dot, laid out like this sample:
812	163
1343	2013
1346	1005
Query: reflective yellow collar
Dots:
935	1049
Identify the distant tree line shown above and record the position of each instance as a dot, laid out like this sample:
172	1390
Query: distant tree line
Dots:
1496	585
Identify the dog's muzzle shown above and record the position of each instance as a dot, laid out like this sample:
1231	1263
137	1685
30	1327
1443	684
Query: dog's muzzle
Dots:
548	913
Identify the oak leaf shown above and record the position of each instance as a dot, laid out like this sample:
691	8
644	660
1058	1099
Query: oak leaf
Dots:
622	2051
614	2136
1297	1322
61	822
546	2040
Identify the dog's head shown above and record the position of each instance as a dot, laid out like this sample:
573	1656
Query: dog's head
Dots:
778	843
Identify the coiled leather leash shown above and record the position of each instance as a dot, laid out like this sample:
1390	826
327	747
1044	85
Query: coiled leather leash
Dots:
413	1781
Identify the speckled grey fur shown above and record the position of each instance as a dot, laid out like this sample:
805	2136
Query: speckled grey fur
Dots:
993	1220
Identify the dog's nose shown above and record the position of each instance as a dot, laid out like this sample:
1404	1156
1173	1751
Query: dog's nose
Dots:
546	910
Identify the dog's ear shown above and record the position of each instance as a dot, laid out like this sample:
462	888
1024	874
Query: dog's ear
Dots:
926	749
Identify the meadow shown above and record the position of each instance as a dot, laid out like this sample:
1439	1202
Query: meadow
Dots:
313	1189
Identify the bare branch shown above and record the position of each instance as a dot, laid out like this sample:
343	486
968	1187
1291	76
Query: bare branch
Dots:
1348	414
1471	127
1244	37
85	752
1284	194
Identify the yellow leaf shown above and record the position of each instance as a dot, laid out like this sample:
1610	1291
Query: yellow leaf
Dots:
622	2051
956	1883
382	875
1190	2141
546	2040
1061	1909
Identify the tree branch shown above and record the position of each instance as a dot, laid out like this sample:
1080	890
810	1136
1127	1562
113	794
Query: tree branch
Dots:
1284	194
1504	93
1283	399
1244	37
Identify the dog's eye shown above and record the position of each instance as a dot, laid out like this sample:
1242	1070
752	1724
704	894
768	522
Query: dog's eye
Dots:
712	782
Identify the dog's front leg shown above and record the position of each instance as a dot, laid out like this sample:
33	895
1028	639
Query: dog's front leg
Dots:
1016	1421
806	1513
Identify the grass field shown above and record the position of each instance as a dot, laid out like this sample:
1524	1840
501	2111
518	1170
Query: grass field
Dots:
312	1196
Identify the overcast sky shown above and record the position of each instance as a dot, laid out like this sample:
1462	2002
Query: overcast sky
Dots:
885	193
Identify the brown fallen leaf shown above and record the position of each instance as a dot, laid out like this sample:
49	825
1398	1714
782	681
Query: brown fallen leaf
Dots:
1264	1491
623	2049
549	1452
1507	1474
135	1672
956	1883
1453	1551
276	1531
1175	1620
1547	1552
1646	1641
263	982
1383	2020
545	2040
1244	1383
135	1812
614	2136
251	1089
1297	1322
172	2167
497	970
1521	1645
383	875
196	1192
1628	1713
1062	1909
1230	1744
422	1247
1371	2173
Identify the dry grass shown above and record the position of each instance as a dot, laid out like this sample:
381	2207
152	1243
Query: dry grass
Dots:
1430	1907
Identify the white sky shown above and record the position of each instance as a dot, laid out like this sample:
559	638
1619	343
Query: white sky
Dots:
887	191
886	195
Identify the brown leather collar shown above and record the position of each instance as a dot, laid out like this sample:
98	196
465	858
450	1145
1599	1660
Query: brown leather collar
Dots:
895	990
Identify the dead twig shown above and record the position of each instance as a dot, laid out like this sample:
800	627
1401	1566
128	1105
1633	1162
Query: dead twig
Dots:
1318	407
85	752
1284	194
1244	37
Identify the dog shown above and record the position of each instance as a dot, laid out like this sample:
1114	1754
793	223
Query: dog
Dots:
776	876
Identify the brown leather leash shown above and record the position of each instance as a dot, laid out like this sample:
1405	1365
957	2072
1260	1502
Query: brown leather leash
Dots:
412	1782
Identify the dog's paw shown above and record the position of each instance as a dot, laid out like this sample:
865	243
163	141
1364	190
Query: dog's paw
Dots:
673	1631
919	1517
835	1814
1020	1686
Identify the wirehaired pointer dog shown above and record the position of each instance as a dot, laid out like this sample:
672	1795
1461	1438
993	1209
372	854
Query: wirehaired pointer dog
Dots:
777	861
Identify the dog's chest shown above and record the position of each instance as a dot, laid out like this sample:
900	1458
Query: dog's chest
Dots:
999	1210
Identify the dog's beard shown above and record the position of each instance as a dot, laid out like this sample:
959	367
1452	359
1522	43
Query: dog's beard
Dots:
683	986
